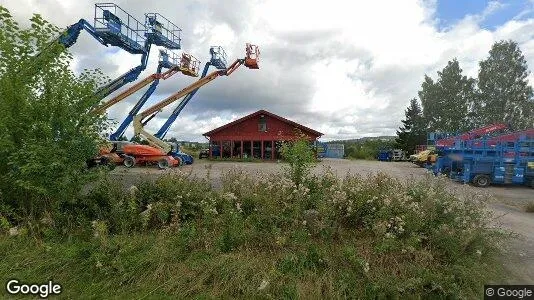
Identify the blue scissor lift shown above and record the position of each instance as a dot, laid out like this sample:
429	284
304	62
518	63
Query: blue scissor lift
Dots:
510	162
506	163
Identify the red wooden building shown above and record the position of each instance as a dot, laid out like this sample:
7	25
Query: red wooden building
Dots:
258	135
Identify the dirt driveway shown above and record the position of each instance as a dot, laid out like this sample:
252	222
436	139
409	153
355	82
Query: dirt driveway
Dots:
507	203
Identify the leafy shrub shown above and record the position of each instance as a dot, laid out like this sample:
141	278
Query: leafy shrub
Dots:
371	235
300	157
47	130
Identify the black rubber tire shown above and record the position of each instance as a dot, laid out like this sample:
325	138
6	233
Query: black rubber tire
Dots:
482	180
104	161
129	161
163	164
91	163
532	183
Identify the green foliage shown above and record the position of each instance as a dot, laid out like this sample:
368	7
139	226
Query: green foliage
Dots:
300	157
505	94
366	148
413	131
262	235
446	101
46	129
455	103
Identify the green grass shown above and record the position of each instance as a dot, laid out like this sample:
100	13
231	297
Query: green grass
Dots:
255	238
156	265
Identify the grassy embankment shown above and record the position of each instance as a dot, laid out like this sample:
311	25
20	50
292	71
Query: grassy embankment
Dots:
326	238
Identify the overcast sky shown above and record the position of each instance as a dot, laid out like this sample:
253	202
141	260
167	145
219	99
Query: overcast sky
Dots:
344	68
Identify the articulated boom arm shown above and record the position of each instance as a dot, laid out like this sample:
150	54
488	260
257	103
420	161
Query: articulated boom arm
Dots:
249	61
188	68
165	128
125	78
473	134
173	69
137	120
70	36
234	66
122	128
218	60
102	108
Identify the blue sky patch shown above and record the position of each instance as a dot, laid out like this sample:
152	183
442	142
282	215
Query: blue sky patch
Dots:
450	12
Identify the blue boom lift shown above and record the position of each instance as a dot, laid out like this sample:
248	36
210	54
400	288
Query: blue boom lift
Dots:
188	65
114	26
157	30
219	61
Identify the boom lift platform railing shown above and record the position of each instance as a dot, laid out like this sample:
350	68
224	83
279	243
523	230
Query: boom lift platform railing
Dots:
162	32
114	26
108	22
248	61
119	28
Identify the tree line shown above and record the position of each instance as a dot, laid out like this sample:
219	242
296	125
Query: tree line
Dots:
457	103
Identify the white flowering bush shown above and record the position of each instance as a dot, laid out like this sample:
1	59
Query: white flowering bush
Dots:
370	235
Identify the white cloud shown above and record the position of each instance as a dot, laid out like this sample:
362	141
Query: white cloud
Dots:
347	69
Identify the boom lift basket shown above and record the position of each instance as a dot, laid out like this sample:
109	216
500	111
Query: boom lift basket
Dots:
168	59
162	32
218	57
189	65
253	56
118	28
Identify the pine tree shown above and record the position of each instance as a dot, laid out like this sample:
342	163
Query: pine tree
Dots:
505	94
413	131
